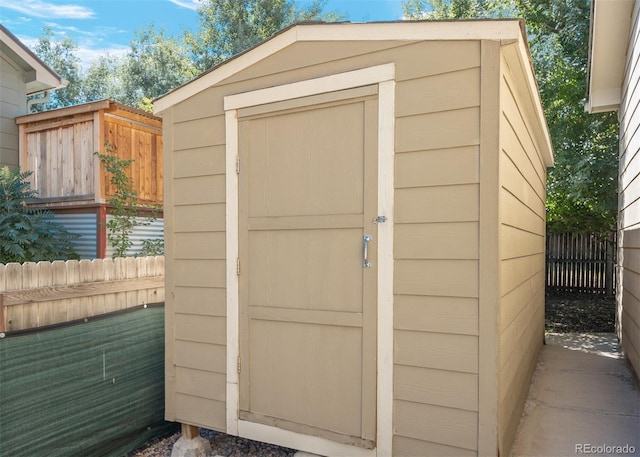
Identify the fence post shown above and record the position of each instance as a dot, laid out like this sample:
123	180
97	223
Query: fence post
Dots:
610	273
2	322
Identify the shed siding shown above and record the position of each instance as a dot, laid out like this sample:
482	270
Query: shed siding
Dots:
628	310
13	103
198	277
436	282
436	252
522	263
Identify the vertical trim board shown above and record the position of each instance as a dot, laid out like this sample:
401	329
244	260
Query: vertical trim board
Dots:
169	211
233	393
386	160
489	249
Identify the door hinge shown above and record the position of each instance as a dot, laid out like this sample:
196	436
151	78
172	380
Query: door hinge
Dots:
239	365
238	266
237	164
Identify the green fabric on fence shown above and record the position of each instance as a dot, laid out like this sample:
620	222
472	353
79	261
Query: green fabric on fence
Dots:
90	389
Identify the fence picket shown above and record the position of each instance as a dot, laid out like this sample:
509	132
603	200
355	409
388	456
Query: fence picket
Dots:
97	301
14	316
45	279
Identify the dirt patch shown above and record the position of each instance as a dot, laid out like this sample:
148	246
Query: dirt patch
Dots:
580	313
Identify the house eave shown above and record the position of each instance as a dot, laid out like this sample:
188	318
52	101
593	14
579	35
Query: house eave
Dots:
608	43
39	76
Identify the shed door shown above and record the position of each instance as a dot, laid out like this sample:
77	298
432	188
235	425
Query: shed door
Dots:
307	197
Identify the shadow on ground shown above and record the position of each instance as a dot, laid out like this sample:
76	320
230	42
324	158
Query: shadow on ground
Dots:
579	313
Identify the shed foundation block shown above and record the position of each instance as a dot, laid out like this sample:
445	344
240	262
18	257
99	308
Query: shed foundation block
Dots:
191	444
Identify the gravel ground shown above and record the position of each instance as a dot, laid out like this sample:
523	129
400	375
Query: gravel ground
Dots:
221	445
564	313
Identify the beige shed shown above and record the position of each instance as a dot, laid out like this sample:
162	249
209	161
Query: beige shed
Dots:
355	223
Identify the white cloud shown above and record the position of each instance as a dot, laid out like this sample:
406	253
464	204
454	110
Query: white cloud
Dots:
88	55
89	49
99	33
39	8
189	4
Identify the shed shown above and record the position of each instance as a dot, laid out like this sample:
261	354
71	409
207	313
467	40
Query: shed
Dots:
614	85
59	147
355	237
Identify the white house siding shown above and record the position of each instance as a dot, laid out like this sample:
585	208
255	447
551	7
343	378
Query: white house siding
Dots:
628	322
13	103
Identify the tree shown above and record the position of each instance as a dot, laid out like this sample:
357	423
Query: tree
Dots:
27	234
103	79
155	64
60	56
582	187
228	27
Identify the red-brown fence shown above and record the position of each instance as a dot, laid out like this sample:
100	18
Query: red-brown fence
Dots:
583	263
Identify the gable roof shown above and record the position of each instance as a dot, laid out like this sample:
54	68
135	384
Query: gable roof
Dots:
509	32
39	76
608	42
504	30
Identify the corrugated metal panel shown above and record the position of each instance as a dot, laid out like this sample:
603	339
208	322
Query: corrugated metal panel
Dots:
152	231
84	225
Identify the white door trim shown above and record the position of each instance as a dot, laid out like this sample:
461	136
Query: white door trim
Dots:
384	76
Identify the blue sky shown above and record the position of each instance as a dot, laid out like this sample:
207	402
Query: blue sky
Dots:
106	26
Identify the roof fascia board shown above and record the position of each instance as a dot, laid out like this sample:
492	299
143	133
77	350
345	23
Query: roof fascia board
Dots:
413	31
505	31
519	59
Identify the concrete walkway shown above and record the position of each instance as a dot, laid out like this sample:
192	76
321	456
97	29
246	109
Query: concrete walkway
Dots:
583	400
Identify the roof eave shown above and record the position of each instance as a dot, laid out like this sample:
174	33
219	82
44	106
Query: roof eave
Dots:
608	42
39	76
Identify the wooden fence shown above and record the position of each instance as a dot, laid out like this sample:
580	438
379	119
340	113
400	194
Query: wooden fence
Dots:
583	263
45	293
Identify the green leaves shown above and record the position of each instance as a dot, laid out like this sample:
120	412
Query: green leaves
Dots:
228	27
27	234
582	187
124	204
